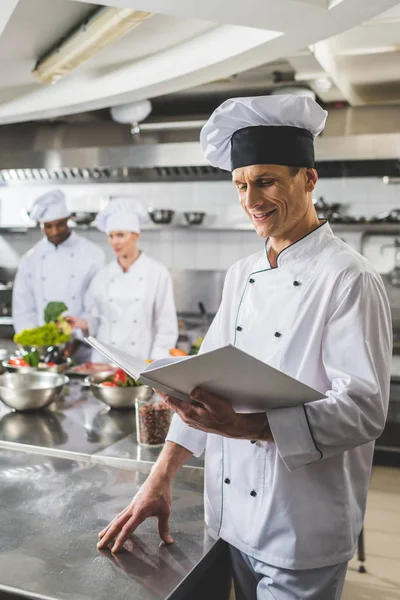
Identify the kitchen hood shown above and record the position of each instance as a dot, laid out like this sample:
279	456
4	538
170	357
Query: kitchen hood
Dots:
357	141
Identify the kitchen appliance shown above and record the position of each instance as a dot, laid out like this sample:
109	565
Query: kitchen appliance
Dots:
161	216
31	391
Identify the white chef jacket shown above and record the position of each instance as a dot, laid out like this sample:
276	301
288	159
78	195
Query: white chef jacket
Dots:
322	316
50	273
135	310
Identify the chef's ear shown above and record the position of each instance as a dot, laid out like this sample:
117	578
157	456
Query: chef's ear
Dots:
311	176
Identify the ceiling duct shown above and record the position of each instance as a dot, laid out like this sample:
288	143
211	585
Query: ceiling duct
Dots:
356	142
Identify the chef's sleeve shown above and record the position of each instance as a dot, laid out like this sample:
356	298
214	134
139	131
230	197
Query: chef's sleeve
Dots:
356	353
91	308
165	323
180	433
24	311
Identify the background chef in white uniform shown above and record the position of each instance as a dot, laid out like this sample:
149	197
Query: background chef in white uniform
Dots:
130	304
287	488
58	268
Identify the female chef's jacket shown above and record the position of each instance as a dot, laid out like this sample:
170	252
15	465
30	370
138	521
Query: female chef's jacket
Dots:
322	316
133	311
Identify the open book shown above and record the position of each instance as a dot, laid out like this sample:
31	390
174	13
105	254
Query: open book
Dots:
229	373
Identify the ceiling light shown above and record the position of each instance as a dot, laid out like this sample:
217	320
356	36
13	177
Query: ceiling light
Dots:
134	112
104	27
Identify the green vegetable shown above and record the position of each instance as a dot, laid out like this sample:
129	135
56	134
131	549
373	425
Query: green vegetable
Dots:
53	311
32	358
46	335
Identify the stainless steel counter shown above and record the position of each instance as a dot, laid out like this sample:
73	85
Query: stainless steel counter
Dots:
77	423
51	510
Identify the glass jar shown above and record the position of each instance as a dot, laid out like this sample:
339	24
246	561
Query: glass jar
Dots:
153	418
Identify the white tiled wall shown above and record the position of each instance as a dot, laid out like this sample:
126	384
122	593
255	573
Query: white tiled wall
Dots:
180	248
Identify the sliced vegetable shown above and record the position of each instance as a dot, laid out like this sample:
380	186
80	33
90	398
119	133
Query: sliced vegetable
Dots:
18	362
177	352
32	358
121	378
109	384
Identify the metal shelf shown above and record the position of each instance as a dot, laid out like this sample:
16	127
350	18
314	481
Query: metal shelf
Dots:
6	321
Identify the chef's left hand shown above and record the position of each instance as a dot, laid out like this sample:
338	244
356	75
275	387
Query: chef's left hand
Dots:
209	413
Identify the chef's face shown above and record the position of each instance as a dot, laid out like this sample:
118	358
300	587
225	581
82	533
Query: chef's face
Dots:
56	231
275	197
124	243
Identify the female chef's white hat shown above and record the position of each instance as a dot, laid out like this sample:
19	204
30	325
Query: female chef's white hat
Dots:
49	207
262	130
122	214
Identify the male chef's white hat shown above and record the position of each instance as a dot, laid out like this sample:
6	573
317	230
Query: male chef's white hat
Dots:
49	207
262	130
122	214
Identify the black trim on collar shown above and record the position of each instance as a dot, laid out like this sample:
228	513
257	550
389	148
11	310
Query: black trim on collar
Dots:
299	240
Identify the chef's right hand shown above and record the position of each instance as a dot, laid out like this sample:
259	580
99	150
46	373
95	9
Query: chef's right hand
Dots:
77	323
153	499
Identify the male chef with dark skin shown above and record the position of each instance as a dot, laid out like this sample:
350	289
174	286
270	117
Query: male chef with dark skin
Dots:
286	488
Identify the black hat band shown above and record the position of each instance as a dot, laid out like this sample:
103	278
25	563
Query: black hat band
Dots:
272	145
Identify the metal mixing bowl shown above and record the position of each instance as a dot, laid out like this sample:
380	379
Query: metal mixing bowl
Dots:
42	350
161	216
54	369
30	391
194	218
83	218
117	397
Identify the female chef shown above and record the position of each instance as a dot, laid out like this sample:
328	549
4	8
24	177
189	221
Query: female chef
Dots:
130	304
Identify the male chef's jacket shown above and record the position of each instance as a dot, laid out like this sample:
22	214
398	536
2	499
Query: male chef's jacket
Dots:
50	273
133	311
322	316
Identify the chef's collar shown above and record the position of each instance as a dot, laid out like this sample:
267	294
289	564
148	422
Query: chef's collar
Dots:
305	247
118	270
68	243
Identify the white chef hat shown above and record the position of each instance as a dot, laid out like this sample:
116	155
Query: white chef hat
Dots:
122	214
277	130
49	207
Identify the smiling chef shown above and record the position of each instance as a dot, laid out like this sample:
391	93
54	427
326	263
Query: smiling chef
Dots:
287	488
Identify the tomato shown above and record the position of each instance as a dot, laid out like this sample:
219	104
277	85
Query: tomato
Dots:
51	364
109	384
18	362
120	377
